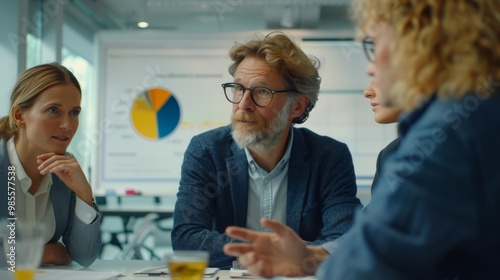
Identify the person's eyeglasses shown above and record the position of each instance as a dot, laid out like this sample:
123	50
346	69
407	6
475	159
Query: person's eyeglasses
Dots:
369	48
261	96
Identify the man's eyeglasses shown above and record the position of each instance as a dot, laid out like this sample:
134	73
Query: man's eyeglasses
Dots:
369	48
261	96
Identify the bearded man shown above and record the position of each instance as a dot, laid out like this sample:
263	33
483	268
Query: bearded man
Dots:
261	166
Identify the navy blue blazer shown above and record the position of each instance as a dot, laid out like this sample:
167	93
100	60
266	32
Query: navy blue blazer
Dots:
435	211
83	241
384	153
213	191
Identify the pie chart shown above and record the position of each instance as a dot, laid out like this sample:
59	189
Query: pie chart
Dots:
155	113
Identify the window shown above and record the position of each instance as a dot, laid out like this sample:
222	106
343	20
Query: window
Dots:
82	142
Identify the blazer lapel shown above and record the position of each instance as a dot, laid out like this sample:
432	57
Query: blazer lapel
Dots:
237	168
60	203
298	176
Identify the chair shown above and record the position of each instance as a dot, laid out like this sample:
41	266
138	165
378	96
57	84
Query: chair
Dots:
110	225
142	229
134	201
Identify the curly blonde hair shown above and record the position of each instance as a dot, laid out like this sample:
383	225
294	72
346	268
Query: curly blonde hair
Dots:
299	71
440	47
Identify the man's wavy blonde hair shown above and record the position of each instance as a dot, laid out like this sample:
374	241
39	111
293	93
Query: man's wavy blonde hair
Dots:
298	70
443	47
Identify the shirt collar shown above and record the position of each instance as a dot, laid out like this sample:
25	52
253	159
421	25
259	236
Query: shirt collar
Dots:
283	162
409	118
22	177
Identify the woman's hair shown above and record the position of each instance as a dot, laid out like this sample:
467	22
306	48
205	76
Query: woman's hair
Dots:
30	84
440	47
298	71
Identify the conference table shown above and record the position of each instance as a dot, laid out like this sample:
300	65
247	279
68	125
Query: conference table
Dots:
113	269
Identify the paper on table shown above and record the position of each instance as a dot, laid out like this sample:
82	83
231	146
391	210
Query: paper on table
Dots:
163	270
241	273
52	274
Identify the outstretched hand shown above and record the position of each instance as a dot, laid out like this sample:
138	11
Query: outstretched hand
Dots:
68	169
280	253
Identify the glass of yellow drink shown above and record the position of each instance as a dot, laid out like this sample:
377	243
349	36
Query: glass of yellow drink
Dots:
23	245
24	274
187	265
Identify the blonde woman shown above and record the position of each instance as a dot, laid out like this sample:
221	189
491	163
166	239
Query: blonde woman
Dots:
50	186
382	115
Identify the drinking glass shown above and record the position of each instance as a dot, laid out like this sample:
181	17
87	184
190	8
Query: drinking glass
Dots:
187	265
23	245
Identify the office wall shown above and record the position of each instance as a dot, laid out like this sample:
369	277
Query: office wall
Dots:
341	112
9	11
188	69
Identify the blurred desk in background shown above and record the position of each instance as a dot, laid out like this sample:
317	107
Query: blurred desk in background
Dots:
129	209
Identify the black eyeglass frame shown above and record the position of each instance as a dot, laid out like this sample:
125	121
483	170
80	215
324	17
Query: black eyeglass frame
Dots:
369	48
225	85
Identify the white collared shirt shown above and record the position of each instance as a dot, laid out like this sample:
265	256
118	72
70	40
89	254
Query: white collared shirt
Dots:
267	192
38	207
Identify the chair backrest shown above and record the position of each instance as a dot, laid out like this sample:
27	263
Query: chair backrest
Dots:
142	229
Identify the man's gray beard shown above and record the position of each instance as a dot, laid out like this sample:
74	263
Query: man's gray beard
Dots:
265	140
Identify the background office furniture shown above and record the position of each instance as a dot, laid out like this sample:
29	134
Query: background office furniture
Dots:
136	242
125	216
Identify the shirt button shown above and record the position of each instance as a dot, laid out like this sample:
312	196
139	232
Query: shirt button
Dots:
266	181
89	216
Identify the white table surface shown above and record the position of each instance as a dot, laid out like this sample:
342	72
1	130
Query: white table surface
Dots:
127	268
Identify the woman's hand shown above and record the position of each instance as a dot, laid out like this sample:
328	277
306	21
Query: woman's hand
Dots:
68	169
55	253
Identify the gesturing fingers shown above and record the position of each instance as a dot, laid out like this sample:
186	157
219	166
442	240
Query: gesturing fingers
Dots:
251	236
242	234
237	249
276	227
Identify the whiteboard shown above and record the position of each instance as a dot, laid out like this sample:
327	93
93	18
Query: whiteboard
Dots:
191	70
